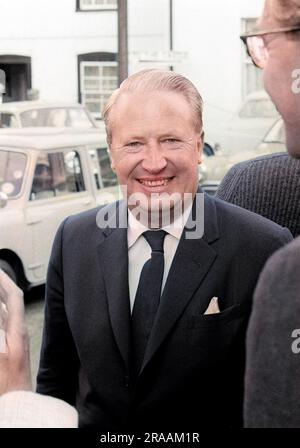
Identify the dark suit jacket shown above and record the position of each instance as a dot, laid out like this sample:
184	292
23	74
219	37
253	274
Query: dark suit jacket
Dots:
192	374
272	392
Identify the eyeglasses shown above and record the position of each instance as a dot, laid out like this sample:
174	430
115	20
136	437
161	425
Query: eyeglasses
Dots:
256	45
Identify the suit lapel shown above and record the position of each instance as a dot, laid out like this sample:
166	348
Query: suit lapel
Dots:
192	261
113	257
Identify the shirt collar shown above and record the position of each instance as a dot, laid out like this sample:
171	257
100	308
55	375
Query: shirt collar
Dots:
136	228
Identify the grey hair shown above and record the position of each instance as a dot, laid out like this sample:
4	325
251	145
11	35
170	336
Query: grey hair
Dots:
286	12
281	13
153	80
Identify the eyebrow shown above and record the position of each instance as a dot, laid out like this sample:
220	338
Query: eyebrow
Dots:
132	139
171	133
136	137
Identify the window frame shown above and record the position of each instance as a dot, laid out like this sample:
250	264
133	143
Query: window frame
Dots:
99	170
25	177
67	194
83	93
94	8
246	25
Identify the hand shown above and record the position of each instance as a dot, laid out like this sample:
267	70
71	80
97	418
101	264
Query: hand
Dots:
14	349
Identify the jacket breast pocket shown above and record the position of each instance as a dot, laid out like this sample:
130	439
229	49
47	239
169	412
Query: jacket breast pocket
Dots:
212	336
225	317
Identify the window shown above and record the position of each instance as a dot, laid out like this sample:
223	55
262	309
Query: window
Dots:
53	117
109	177
276	133
78	118
97	80
252	76
12	170
101	162
57	174
88	5
8	120
260	108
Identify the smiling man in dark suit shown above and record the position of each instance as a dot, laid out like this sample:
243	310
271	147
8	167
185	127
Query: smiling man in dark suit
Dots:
145	323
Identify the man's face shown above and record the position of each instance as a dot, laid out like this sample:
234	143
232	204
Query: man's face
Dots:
284	58
155	146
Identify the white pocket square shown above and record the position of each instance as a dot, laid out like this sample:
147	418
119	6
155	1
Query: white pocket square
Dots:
213	307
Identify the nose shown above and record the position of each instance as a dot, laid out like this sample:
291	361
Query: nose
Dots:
154	160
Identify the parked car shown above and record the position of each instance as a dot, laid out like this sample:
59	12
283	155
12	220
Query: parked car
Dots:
46	175
213	169
246	128
23	114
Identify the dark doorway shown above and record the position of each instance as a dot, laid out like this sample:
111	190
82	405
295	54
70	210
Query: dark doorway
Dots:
18	77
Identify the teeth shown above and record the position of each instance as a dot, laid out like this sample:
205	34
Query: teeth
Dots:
154	183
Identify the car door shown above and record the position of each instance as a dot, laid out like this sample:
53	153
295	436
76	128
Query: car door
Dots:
61	187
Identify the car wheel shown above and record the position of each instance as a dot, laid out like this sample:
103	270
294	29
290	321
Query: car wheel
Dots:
8	269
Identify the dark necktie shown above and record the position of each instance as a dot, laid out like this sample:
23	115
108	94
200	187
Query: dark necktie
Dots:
147	297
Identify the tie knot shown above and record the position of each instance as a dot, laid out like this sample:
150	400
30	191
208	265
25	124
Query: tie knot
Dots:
155	238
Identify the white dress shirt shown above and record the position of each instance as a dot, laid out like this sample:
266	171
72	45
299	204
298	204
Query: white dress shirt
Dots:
139	251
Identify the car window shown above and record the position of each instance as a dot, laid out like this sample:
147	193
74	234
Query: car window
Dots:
34	117
56	117
79	118
101	163
57	174
109	177
260	108
8	120
12	171
276	134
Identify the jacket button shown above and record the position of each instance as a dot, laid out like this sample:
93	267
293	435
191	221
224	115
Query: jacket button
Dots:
126	381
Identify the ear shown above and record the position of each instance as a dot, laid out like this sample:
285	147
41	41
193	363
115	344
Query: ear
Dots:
200	144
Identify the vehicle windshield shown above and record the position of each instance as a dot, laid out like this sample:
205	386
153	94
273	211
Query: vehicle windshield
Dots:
72	117
12	170
262	108
276	134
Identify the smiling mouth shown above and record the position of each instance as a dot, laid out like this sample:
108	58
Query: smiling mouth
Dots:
155	182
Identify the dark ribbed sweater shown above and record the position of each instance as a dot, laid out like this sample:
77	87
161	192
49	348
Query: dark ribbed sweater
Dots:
268	185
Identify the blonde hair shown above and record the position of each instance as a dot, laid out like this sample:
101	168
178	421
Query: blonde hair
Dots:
154	80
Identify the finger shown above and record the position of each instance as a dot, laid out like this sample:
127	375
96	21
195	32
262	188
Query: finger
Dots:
7	286
3	315
3	348
12	296
3	325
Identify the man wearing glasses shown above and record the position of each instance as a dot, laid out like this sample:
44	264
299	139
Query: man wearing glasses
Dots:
275	48
272	387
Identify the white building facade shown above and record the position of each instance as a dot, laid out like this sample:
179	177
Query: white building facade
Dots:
66	50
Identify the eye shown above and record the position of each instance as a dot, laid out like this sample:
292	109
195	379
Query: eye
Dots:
171	140
133	145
